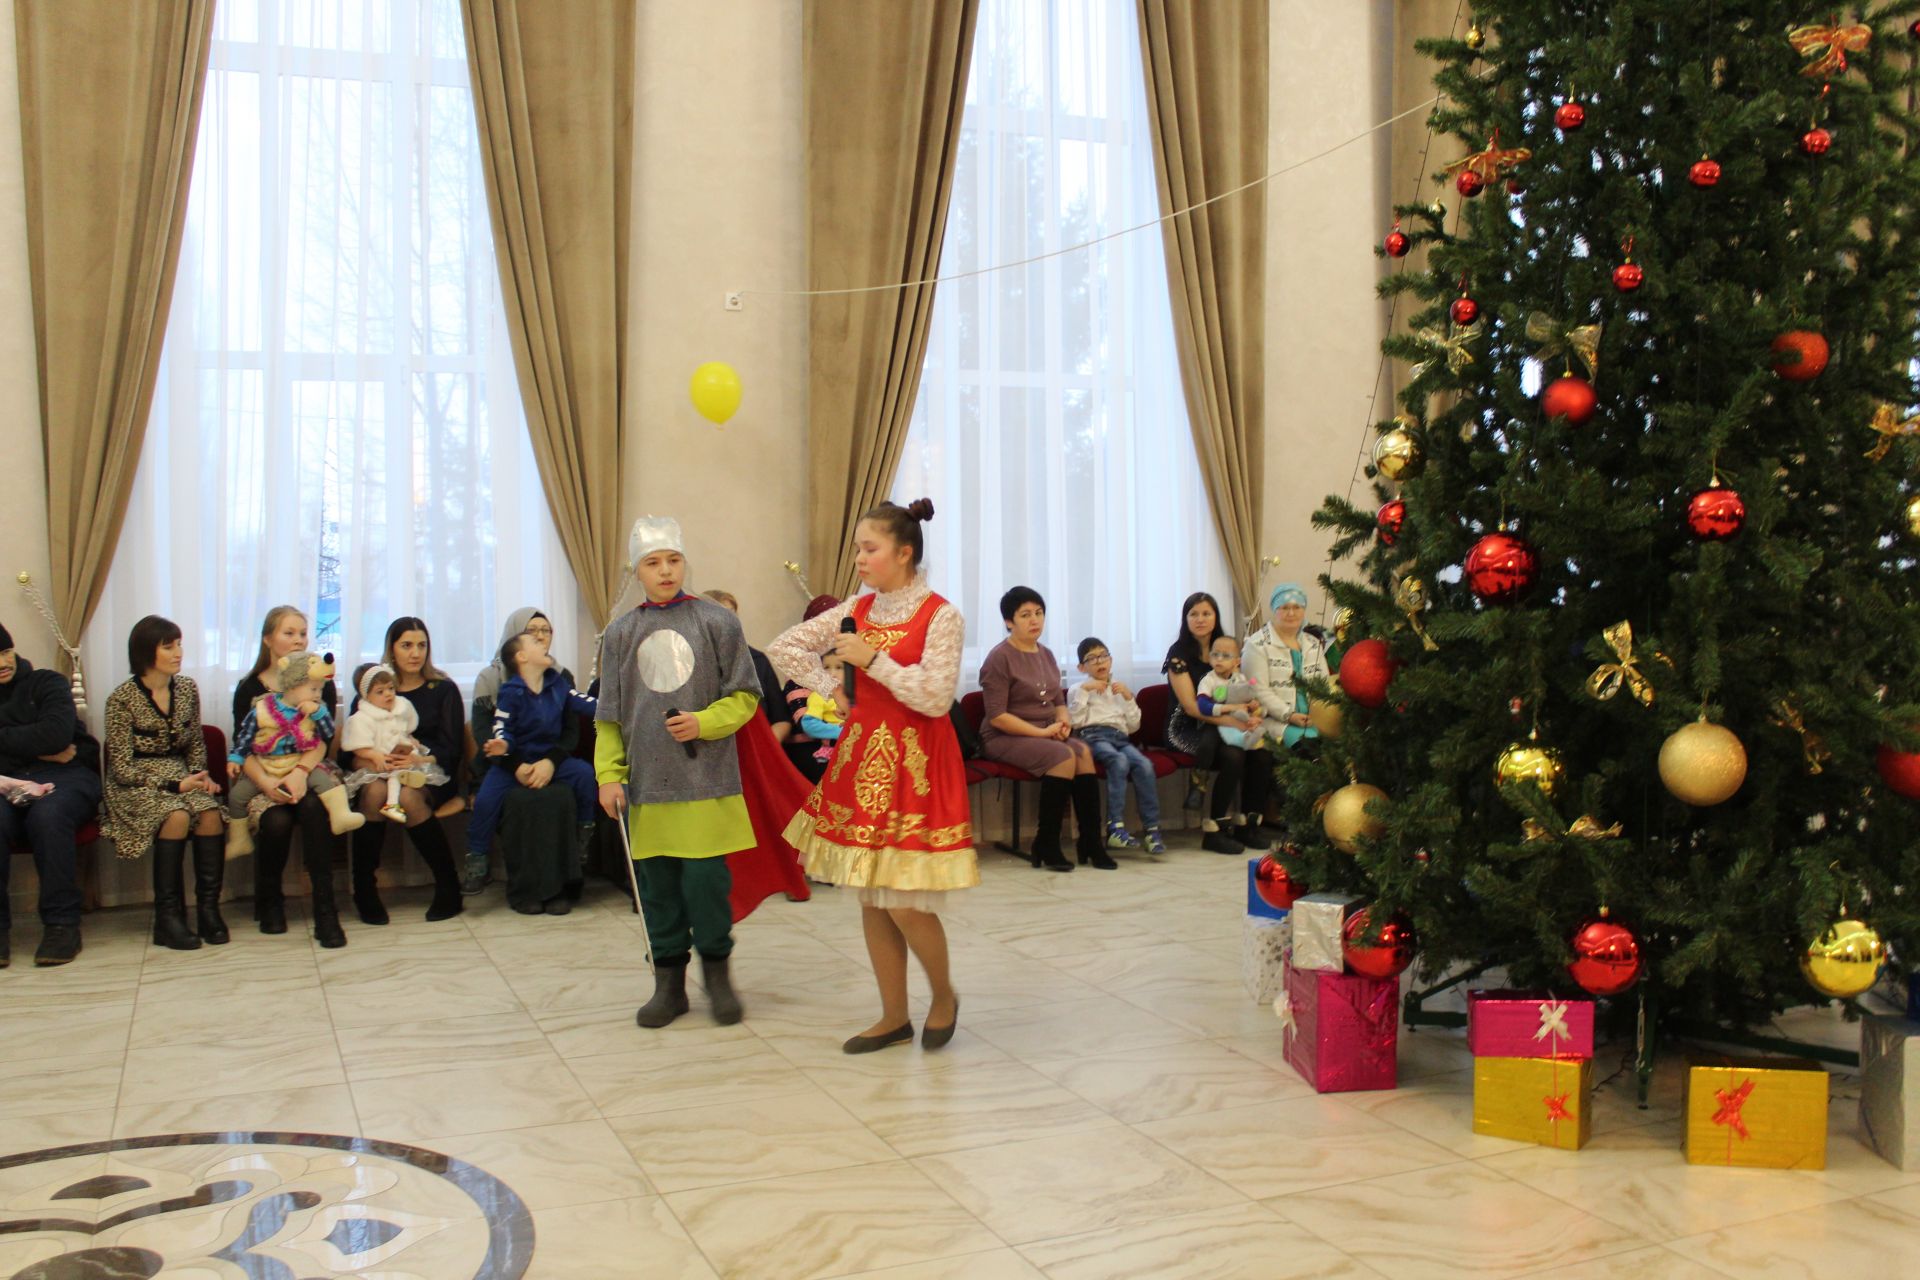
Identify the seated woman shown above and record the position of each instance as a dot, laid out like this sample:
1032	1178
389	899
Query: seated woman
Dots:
442	732
159	791
43	743
1026	725
810	755
1238	782
1280	656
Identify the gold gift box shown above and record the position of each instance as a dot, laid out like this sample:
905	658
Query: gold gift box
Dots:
1760	1113
1517	1097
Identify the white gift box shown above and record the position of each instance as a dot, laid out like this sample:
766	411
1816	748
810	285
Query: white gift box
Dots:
1319	929
1890	1087
1264	945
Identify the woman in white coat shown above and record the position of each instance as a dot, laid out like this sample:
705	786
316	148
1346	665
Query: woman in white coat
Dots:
1279	657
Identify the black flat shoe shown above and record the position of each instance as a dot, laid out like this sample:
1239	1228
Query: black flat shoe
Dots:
1221	842
869	1044
937	1037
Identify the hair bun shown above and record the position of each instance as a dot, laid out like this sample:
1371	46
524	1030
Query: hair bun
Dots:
921	509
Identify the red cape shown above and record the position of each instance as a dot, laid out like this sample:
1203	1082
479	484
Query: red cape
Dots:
774	792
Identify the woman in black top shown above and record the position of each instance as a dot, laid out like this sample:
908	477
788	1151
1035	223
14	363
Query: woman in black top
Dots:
285	632
1239	782
443	732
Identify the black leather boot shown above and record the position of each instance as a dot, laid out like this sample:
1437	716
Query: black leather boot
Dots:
720	994
209	877
326	915
1053	815
669	993
169	898
430	841
269	872
1090	843
368	844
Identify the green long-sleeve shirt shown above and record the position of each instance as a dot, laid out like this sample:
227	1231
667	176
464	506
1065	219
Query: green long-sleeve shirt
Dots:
687	828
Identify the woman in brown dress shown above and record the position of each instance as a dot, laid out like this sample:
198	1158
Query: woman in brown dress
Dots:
158	790
1026	726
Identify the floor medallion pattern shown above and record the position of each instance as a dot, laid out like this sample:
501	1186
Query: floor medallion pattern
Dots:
263	1206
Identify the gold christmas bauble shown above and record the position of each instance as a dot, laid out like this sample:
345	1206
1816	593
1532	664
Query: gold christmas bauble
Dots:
1476	38
1346	820
1913	516
1703	764
1396	455
1843	961
1530	762
1325	718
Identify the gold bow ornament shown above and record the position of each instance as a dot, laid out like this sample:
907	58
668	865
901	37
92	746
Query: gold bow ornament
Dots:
1450	346
1828	47
1786	714
1491	163
1557	339
1411	597
1607	681
1585	827
1889	427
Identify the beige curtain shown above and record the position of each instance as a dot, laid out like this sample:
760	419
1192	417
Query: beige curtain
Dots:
1206	68
109	113
553	91
886	84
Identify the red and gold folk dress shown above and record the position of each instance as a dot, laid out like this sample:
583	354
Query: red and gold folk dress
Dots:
891	816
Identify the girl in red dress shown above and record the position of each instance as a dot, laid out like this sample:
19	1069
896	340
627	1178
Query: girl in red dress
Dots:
891	816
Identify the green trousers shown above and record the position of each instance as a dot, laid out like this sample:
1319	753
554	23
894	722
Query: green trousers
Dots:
685	900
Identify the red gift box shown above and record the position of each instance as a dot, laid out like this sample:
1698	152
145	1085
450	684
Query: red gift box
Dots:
1342	1030
1528	1024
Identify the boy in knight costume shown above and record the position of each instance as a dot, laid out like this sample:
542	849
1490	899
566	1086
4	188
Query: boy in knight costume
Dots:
284	733
676	684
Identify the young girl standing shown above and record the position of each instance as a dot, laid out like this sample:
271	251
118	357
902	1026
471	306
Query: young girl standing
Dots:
891	816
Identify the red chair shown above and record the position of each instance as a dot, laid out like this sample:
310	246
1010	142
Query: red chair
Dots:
974	707
216	740
1156	702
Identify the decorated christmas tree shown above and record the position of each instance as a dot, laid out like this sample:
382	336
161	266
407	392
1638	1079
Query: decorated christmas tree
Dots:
1630	677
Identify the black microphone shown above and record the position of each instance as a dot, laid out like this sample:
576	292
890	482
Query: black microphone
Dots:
848	627
685	746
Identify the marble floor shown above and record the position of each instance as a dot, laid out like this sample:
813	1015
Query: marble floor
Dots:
1114	1105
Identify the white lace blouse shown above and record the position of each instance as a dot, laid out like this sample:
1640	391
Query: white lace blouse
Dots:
927	686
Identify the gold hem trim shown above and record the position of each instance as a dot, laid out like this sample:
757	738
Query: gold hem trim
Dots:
888	867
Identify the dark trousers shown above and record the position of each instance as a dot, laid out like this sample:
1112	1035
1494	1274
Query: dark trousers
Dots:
687	909
47	827
1244	775
573	774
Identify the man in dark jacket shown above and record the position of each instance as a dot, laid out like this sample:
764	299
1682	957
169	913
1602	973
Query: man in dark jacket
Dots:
42	740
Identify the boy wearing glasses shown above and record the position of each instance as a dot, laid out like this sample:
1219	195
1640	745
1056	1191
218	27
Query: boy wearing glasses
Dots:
1104	715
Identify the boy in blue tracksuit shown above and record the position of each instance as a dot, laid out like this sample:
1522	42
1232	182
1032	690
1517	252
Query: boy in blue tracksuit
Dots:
529	718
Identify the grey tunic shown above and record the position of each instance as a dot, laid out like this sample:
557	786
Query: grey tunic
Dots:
678	657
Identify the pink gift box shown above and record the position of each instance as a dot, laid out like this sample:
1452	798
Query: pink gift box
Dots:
1529	1024
1342	1031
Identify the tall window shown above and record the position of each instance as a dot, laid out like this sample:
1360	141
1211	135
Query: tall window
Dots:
337	423
1051	431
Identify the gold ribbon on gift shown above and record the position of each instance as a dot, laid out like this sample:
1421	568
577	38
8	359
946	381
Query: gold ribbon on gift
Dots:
1493	162
1888	425
1828	47
1607	681
1555	339
1449	346
1585	827
1786	714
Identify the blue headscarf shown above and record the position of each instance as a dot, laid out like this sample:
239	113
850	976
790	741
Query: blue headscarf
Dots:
1286	593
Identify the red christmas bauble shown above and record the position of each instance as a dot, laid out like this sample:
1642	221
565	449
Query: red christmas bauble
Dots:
1715	513
1813	352
1365	671
1570	398
1516	186
1913	28
1501	568
1569	116
1276	888
1815	141
1468	183
1900	770
1606	958
1627	277
1464	311
1389	521
1397	244
1385	957
1704	173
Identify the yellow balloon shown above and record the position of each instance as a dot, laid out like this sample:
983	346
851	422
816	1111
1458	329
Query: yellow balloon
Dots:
715	391
1843	961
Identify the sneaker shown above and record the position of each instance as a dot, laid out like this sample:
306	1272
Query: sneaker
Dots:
58	945
1155	842
1196	791
475	880
1118	838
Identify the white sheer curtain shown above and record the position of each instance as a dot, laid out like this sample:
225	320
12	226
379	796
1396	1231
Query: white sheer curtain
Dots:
1051	432
337	423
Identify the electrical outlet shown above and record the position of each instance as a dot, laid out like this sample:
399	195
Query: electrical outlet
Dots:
734	301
